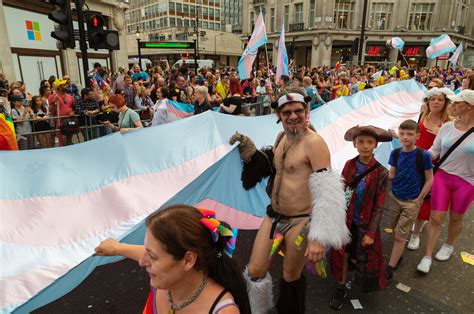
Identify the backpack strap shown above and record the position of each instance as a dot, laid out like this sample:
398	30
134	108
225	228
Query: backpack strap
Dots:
396	154
419	165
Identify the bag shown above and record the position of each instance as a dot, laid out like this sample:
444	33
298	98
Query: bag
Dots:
107	116
40	126
70	126
419	166
351	187
326	95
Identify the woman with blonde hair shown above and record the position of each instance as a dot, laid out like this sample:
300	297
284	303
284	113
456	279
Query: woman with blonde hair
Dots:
432	118
453	184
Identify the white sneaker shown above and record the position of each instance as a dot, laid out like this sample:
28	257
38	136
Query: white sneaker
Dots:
424	265
425	222
444	252
414	243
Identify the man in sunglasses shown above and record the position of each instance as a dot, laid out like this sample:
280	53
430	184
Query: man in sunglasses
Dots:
307	206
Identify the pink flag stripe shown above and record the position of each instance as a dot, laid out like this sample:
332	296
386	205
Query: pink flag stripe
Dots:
105	208
235	218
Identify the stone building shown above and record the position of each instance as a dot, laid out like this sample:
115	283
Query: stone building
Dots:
321	32
34	58
220	23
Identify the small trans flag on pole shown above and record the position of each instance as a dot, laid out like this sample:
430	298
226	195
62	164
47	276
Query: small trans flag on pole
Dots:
282	58
397	43
258	39
439	46
454	58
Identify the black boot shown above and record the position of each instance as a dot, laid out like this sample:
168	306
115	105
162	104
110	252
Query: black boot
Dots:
292	296
337	299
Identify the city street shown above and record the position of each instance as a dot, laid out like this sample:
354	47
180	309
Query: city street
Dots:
449	288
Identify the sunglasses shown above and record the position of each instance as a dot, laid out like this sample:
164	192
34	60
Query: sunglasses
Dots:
287	113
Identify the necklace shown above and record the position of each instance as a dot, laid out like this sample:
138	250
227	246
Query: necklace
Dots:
287	149
176	307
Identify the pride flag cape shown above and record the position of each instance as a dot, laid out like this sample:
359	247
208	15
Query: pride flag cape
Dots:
178	110
53	214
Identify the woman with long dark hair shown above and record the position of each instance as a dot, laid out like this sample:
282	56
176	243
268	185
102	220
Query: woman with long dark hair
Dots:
187	253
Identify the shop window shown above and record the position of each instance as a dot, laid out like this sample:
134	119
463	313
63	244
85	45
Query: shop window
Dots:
380	16
421	16
344	14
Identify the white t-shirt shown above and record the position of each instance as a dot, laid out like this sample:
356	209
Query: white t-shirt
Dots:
461	161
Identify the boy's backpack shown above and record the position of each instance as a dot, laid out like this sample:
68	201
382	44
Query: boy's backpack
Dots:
419	162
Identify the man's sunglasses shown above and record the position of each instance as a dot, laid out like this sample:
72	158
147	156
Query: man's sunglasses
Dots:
287	113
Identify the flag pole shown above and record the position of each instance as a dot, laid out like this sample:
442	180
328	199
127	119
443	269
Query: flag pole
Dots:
266	55
404	58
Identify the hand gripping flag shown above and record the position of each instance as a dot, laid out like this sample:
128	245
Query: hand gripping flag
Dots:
282	58
454	58
258	39
397	43
439	46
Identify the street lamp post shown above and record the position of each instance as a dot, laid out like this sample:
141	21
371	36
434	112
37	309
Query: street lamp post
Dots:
138	45
215	47
362	32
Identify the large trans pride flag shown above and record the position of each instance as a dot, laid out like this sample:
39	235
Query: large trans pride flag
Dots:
57	204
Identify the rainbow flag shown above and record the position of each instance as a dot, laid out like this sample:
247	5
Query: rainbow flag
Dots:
439	46
7	134
48	231
258	39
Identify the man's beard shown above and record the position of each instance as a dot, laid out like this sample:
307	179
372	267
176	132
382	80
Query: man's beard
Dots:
295	132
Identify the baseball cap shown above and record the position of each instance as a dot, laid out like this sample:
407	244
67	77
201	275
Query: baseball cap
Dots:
58	83
466	95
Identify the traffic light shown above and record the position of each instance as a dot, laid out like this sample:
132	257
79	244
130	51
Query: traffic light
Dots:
95	29
355	46
64	32
100	38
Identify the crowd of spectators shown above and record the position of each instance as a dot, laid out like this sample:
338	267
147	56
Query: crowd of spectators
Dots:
59	109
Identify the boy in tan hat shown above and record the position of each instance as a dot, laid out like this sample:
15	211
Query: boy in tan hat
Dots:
366	183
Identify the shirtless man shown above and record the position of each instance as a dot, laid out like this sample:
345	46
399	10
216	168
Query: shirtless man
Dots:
307	199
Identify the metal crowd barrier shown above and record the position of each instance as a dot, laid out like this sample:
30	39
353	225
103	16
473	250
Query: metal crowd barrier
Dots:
89	129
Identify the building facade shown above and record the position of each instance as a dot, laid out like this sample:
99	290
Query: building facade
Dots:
28	52
320	32
219	23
